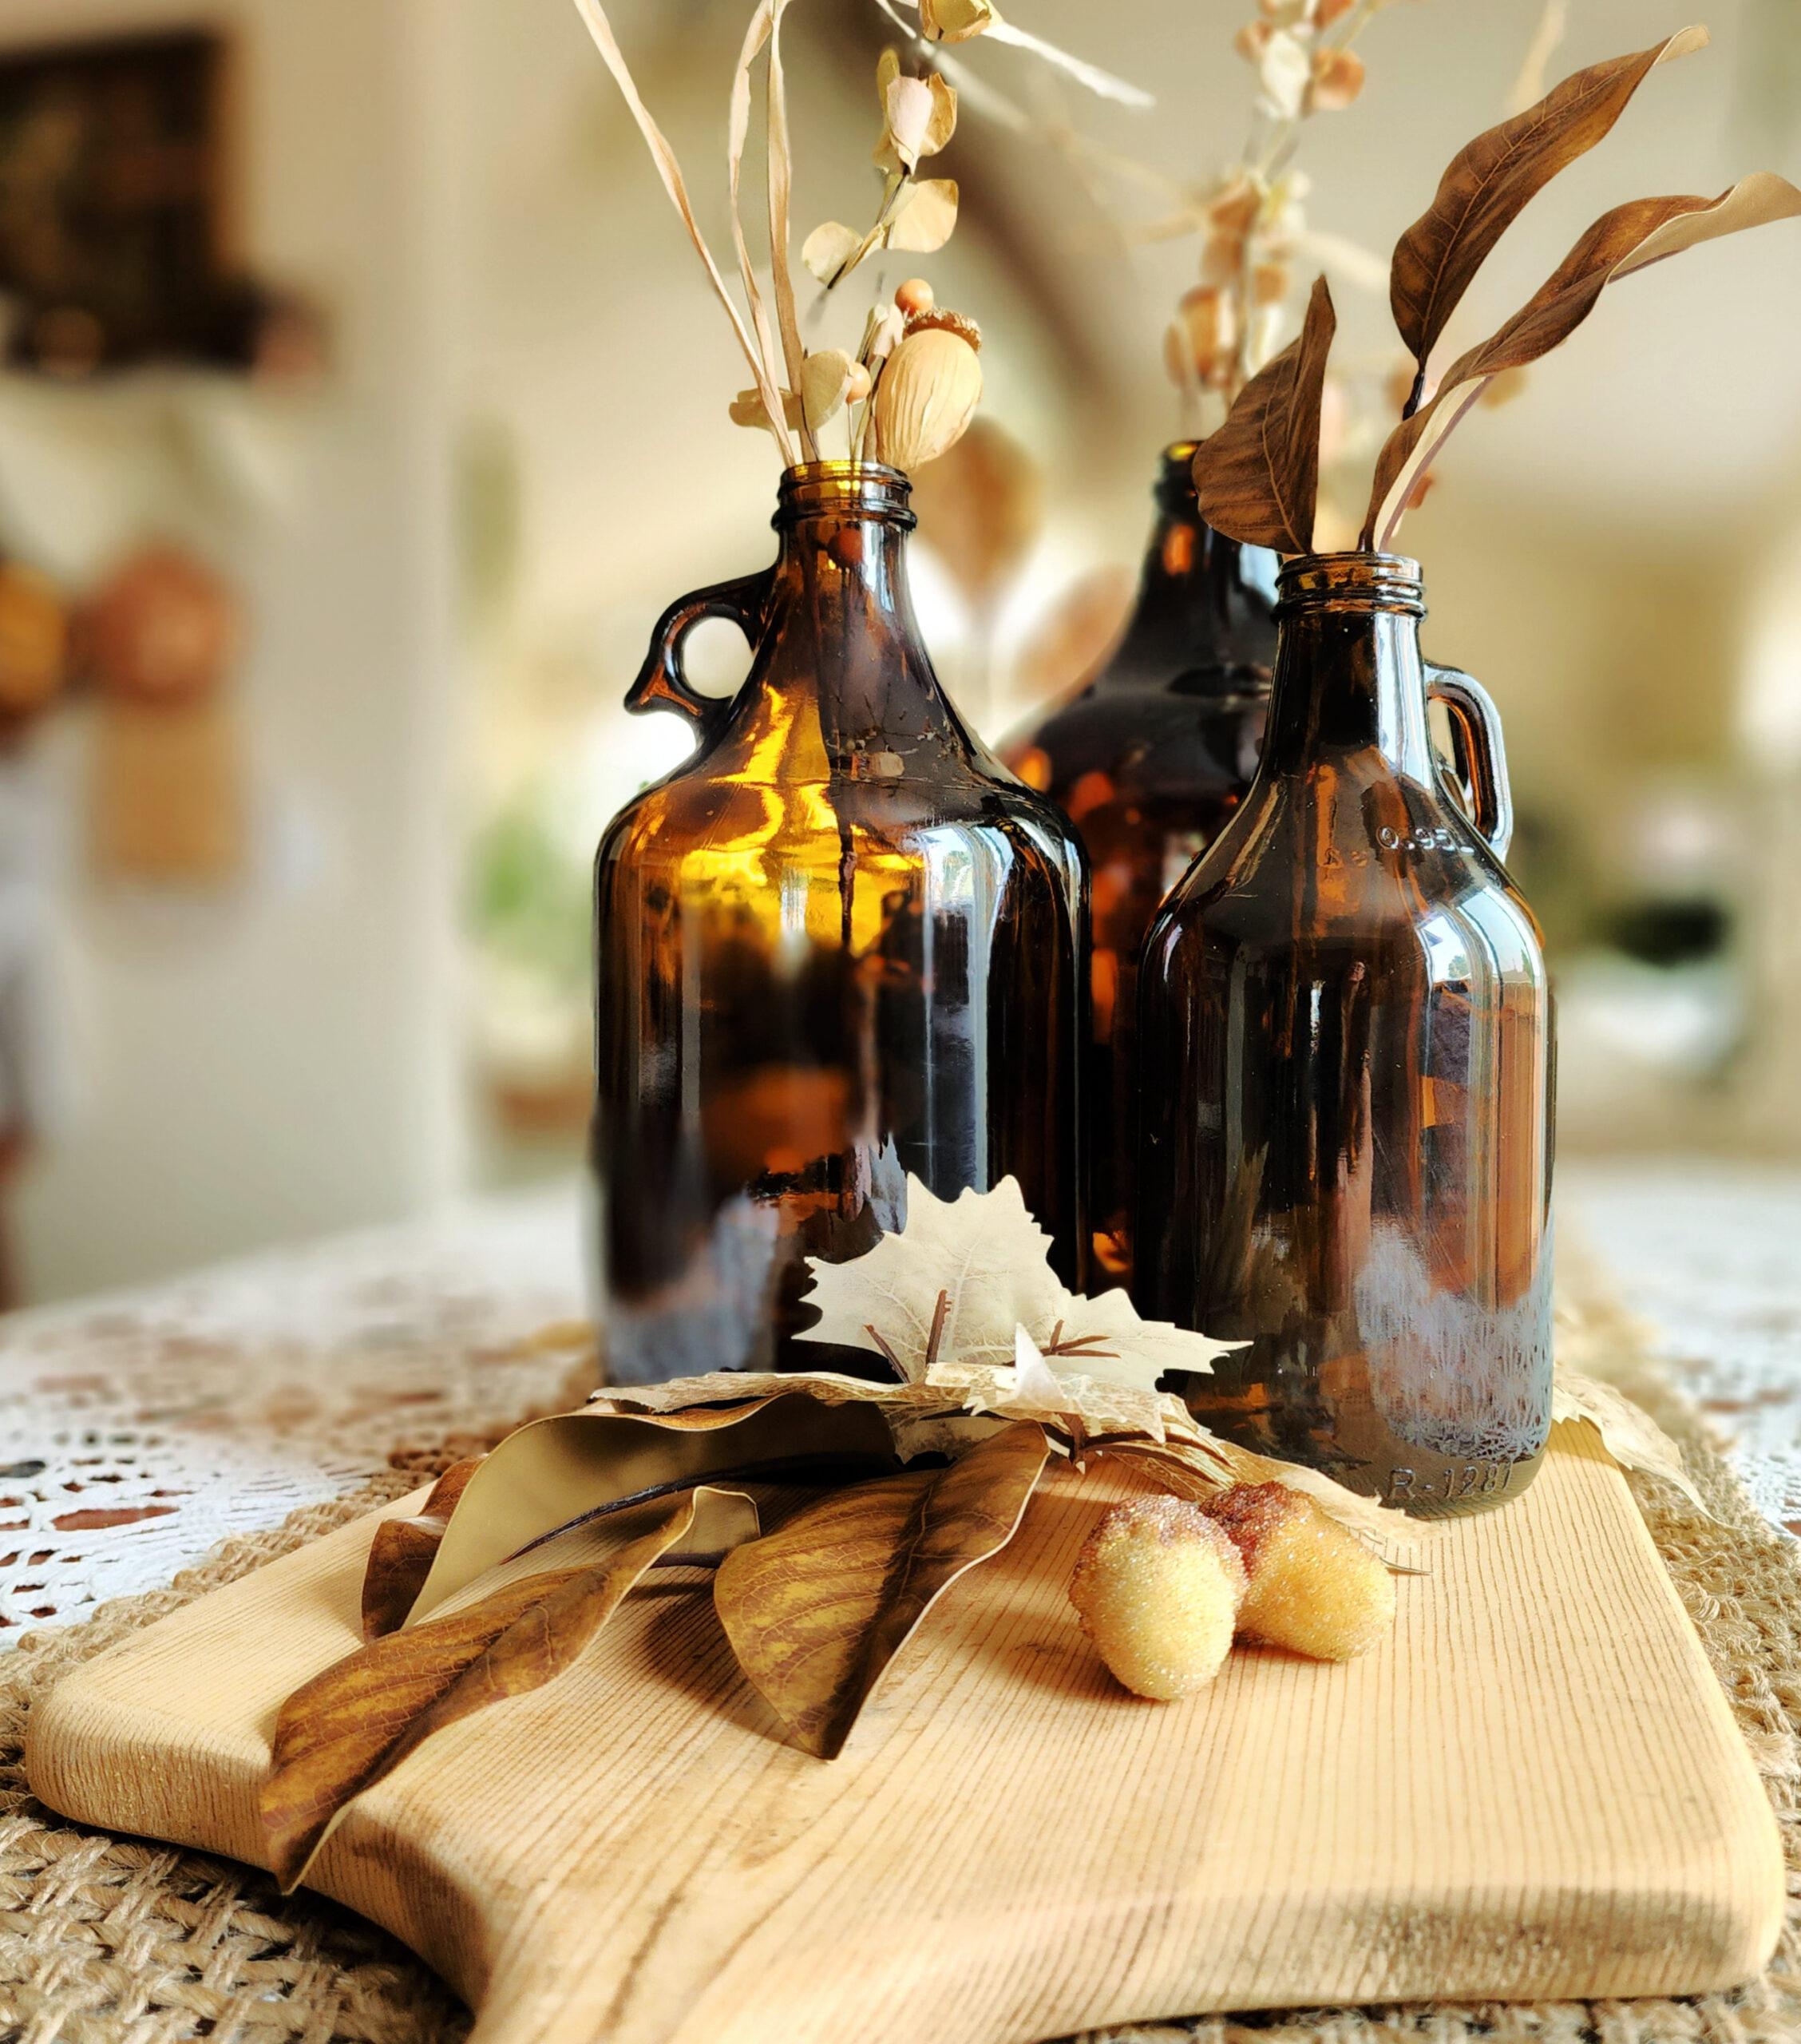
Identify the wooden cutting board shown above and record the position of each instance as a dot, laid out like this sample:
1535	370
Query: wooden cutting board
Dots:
1535	1790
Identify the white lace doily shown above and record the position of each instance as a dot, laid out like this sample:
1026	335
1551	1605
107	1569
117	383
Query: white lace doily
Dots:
1709	1255
138	1430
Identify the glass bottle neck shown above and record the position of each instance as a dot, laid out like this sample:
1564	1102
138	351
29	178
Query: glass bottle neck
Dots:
840	631
1203	622
1349	678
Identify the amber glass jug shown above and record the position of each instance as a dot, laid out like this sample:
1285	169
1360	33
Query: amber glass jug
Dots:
1148	759
840	944
1346	1139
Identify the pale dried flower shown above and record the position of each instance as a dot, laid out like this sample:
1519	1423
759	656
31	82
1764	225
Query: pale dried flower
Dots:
926	395
1235	205
919	115
1203	340
1270	281
1222	257
1285	72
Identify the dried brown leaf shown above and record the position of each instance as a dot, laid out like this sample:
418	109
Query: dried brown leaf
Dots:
817	1611
1490	182
353	1724
1628	1431
599	29
1629	239
1258	476
402	1554
554	1472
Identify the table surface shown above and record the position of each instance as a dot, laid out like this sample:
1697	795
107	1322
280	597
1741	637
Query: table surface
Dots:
138	1430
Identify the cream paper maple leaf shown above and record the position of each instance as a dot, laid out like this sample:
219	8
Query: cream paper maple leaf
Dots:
948	1293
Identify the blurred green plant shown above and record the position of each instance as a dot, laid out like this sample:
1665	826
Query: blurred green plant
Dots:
528	895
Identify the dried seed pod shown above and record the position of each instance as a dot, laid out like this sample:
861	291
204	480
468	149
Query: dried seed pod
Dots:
1158	1585
1314	1587
954	21
927	396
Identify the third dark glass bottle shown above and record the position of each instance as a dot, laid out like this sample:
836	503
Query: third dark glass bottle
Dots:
1148	760
1346	1058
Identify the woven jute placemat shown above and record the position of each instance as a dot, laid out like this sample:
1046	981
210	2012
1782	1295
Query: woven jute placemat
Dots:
106	1940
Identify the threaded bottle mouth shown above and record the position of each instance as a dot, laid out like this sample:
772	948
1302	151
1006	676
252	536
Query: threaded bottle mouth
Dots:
843	489
1358	580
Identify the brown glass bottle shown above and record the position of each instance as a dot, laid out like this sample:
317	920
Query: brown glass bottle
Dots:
1346	1027
839	944
1148	760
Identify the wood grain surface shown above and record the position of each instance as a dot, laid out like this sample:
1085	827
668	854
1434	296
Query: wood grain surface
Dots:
1535	1790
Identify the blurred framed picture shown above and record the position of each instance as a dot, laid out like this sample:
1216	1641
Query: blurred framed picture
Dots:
112	203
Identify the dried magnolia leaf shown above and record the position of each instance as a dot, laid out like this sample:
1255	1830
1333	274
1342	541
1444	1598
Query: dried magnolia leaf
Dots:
817	1611
925	218
351	1726
1489	184
1628	1431
594	19
1204	1463
828	250
402	1554
1258	476
1627	240
551	1473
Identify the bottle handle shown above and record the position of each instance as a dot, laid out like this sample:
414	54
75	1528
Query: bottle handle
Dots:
1480	755
663	681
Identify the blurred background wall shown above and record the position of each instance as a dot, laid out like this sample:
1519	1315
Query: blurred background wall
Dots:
475	439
